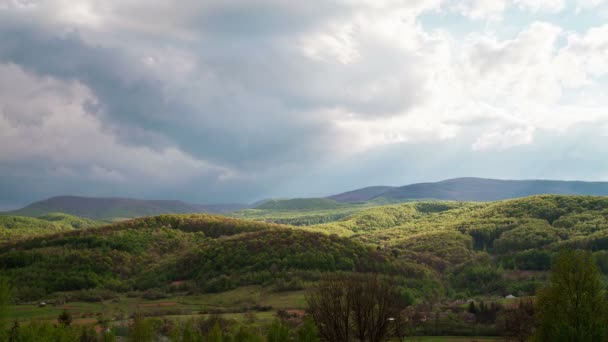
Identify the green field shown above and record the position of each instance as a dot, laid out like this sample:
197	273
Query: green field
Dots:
230	303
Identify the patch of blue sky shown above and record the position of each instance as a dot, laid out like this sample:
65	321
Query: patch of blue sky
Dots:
513	20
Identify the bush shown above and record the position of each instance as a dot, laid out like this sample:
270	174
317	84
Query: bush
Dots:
154	294
479	279
92	295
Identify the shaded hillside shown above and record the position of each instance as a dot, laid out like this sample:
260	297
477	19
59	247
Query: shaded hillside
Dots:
296	217
361	195
299	204
210	253
434	248
478	189
109	209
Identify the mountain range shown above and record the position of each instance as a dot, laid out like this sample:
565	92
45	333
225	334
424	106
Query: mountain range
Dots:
457	189
113	208
473	189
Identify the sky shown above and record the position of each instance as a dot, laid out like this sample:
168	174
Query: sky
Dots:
240	100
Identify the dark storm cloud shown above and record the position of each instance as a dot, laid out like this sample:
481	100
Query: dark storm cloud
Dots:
261	108
229	125
268	18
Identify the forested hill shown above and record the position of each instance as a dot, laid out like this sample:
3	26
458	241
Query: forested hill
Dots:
474	189
99	208
211	253
434	248
361	195
299	204
17	227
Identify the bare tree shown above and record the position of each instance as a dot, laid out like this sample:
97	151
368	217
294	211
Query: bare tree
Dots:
406	322
329	307
354	306
518	323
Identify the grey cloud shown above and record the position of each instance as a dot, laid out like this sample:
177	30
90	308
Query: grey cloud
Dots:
259	111
578	154
251	101
213	126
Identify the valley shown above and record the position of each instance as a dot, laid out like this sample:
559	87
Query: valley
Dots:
439	255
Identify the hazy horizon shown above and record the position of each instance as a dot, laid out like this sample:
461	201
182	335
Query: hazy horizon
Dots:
236	101
318	195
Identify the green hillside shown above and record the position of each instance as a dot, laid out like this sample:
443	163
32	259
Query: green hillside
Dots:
300	204
451	247
297	217
116	209
436	255
17	227
210	253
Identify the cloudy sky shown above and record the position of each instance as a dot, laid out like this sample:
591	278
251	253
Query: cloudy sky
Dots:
238	100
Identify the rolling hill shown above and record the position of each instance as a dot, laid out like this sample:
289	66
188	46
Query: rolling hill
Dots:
361	195
110	208
461	248
17	227
474	189
211	253
167	265
299	204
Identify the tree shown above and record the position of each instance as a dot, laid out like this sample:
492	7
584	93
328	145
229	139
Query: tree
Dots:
278	331
215	334
88	334
307	332
357	306
141	329
13	333
372	306
406	323
65	318
247	335
6	297
573	306
472	308
329	307
518	323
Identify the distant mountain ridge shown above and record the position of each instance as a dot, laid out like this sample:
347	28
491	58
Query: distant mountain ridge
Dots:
111	208
361	195
474	189
299	204
457	189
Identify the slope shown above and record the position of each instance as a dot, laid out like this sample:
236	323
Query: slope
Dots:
300	204
208	253
476	189
361	195
435	248
98	208
17	227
